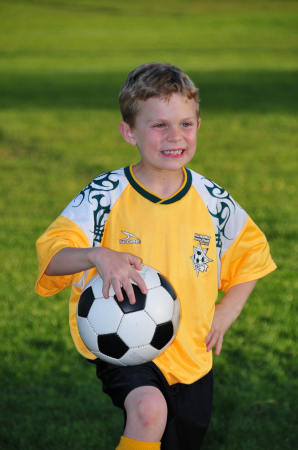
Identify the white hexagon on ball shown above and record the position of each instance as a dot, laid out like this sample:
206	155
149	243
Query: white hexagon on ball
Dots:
136	329
105	315
150	276
159	305
97	283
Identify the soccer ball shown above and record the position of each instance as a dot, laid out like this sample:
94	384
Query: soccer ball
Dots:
125	334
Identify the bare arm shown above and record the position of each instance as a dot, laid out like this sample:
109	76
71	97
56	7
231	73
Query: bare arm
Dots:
226	312
115	268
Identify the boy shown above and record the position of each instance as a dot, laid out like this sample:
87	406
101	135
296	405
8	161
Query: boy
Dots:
183	225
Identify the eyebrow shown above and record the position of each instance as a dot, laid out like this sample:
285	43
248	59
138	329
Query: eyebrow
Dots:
164	120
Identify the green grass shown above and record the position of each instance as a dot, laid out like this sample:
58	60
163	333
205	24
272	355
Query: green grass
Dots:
62	64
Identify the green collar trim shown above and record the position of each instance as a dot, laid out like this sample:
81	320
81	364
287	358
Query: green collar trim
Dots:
155	198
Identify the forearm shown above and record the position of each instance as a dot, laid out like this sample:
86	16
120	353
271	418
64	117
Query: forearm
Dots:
70	260
226	312
115	268
236	297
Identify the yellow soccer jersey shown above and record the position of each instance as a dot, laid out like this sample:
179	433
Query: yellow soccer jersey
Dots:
199	238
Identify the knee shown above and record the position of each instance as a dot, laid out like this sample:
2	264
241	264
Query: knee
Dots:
151	410
148	409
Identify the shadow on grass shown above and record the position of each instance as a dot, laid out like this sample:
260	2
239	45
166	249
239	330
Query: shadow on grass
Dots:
56	409
260	91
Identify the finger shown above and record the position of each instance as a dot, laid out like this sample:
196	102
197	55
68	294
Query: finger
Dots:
117	289
213	340
209	336
106	288
135	261
129	292
139	281
218	346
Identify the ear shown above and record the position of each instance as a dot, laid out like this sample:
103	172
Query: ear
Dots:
199	123
127	133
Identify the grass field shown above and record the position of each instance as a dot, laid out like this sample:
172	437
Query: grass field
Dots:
62	64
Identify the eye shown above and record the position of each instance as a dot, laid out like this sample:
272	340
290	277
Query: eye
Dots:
160	125
186	124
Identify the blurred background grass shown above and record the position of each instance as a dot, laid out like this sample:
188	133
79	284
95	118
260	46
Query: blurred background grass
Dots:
62	64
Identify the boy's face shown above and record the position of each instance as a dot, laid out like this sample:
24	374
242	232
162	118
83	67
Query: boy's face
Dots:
165	132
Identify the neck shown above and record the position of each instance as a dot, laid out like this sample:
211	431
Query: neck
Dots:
164	184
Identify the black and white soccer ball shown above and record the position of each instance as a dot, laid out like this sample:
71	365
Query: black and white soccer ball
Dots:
125	334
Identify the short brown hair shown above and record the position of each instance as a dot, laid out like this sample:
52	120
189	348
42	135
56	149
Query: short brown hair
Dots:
154	80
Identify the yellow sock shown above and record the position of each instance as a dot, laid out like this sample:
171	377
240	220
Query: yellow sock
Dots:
130	444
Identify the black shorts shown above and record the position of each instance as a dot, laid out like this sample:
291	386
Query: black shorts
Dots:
189	406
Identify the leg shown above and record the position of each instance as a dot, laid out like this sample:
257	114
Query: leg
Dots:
146	410
144	395
189	426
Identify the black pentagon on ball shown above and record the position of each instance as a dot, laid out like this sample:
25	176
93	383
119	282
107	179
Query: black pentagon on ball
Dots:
163	334
127	307
167	285
111	345
85	302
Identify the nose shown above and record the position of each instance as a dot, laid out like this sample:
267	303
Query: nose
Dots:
174	135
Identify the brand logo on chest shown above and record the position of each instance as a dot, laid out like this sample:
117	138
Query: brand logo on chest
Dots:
199	256
130	239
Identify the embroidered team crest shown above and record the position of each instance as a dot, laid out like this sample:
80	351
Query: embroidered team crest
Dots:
199	256
130	239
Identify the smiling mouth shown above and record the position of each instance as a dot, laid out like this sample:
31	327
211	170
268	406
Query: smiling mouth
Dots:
173	152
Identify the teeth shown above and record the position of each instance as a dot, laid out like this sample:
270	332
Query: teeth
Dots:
172	152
